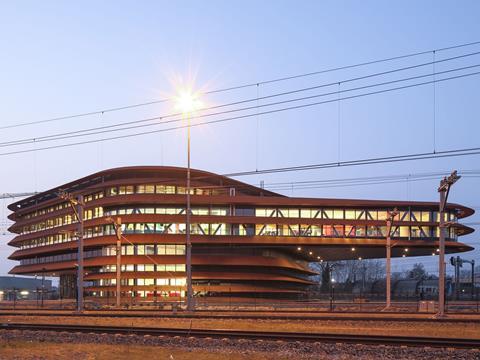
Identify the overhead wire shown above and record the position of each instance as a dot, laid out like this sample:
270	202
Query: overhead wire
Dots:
161	118
239	117
280	79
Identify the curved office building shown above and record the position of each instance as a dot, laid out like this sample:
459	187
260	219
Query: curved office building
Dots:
246	241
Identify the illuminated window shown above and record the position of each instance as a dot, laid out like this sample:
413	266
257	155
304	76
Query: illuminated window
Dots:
382	215
170	249
350	215
161	250
170	267
328	230
404	231
371	215
338	214
327	214
217	211
149	267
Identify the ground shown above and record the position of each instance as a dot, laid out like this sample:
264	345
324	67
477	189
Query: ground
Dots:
372	327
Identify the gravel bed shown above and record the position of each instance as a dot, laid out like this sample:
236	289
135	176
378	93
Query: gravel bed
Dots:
224	347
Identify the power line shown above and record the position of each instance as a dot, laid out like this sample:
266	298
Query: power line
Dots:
369	161
234	118
109	128
131	106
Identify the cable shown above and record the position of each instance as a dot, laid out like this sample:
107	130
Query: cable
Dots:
345	163
74	134
14	142
398	158
107	110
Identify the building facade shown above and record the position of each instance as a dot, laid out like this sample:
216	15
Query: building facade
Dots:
20	288
246	241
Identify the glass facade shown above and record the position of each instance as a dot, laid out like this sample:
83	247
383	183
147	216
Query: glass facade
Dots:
154	228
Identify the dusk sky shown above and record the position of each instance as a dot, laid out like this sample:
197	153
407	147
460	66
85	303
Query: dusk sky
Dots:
65	58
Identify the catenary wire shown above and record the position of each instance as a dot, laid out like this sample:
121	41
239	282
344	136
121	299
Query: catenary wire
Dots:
241	116
161	118
113	109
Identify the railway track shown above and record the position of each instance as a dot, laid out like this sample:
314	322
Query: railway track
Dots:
245	316
253	335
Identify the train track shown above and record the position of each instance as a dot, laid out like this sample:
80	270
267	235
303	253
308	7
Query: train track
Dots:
244	316
253	335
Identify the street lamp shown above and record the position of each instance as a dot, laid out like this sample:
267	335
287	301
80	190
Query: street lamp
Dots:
187	102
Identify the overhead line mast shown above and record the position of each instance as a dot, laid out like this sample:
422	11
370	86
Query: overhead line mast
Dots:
77	205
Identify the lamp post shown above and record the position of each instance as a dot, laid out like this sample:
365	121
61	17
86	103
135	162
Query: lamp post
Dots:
444	190
187	102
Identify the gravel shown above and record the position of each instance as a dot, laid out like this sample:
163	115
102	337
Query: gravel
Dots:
224	347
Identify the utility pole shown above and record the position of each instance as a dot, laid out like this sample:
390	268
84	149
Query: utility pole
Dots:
444	190
77	205
390	217
43	285
190	305
117	224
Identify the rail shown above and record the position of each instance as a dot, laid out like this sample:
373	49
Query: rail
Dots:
254	335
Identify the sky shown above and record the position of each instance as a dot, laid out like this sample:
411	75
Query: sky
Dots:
64	58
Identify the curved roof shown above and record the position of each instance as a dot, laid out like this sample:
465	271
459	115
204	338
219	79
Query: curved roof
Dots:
166	173
162	172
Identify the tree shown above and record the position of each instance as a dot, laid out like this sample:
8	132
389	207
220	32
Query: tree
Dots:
418	272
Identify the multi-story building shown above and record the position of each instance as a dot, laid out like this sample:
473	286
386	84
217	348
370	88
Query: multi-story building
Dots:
245	240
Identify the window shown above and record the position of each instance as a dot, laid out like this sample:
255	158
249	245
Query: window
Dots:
425	216
327	230
161	250
149	282
150	249
244	211
170	249
200	211
416	216
338	214
290	213
219	229
308	213
262	212
382	215
350	214
161	267
327	214
268	229
180	267
149	267
338	230
219	211
170	267
360	231
180	249
126	190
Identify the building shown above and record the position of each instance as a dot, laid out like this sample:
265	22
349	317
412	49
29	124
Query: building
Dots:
21	288
246	241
